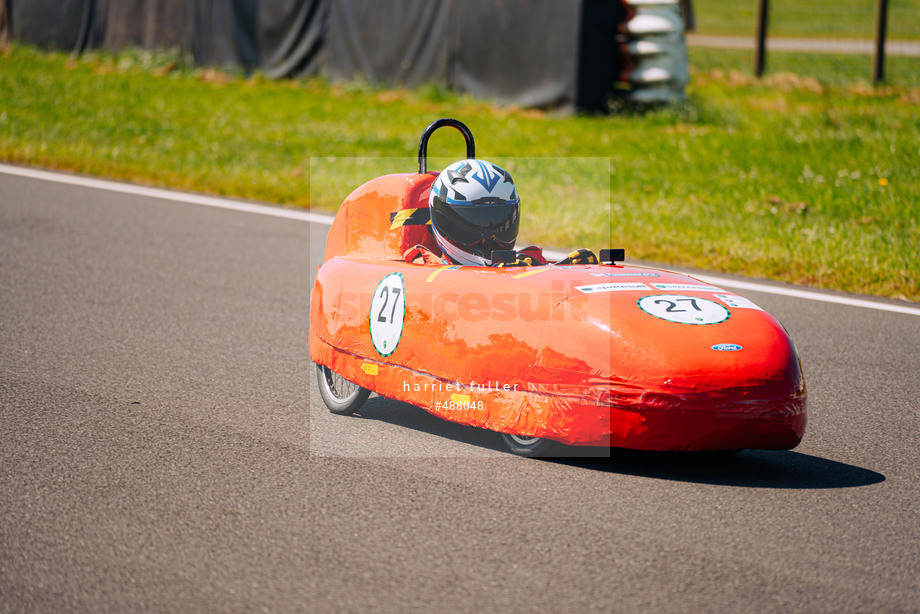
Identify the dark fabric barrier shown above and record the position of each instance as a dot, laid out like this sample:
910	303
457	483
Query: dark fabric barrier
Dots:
225	34
519	51
150	24
5	22
52	24
82	25
291	36
282	37
563	54
398	42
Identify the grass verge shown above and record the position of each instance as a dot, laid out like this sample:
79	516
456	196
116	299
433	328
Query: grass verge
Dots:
808	18
789	178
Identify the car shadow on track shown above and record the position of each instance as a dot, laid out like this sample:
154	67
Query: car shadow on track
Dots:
412	417
749	468
785	469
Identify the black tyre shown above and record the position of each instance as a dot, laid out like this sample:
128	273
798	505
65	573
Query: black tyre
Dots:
526	446
340	396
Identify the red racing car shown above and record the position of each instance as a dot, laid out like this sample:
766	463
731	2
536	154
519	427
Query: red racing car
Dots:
597	354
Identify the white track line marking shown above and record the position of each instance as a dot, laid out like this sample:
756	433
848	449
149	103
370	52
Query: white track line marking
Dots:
805	294
319	218
182	197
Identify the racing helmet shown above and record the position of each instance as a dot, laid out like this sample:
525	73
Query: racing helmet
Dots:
475	209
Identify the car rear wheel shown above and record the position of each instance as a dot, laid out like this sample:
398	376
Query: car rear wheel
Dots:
340	396
526	446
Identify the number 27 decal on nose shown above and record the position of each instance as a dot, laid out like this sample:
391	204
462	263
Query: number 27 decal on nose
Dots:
388	310
684	309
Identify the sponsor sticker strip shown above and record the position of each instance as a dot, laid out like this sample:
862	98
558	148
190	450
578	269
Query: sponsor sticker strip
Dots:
618	287
686	288
739	302
631	274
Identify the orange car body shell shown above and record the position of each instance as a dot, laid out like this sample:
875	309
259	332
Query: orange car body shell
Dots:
623	356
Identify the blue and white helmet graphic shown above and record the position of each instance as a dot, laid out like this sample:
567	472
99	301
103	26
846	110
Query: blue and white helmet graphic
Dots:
475	210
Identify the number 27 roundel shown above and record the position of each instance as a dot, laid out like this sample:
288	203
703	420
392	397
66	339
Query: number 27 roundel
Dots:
684	309
388	310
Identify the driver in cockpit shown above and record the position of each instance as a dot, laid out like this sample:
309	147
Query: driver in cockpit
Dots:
476	211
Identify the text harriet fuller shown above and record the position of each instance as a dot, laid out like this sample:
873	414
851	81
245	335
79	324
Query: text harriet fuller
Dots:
449	386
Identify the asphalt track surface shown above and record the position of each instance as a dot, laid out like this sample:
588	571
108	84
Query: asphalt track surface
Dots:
163	447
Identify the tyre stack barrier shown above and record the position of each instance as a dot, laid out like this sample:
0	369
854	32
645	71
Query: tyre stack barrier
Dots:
654	51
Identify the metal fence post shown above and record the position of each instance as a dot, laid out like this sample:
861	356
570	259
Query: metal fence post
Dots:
881	25
686	8
760	53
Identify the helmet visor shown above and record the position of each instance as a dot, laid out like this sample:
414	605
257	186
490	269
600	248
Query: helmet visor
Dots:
481	227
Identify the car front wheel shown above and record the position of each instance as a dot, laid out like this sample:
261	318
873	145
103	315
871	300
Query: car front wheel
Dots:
526	446
340	396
